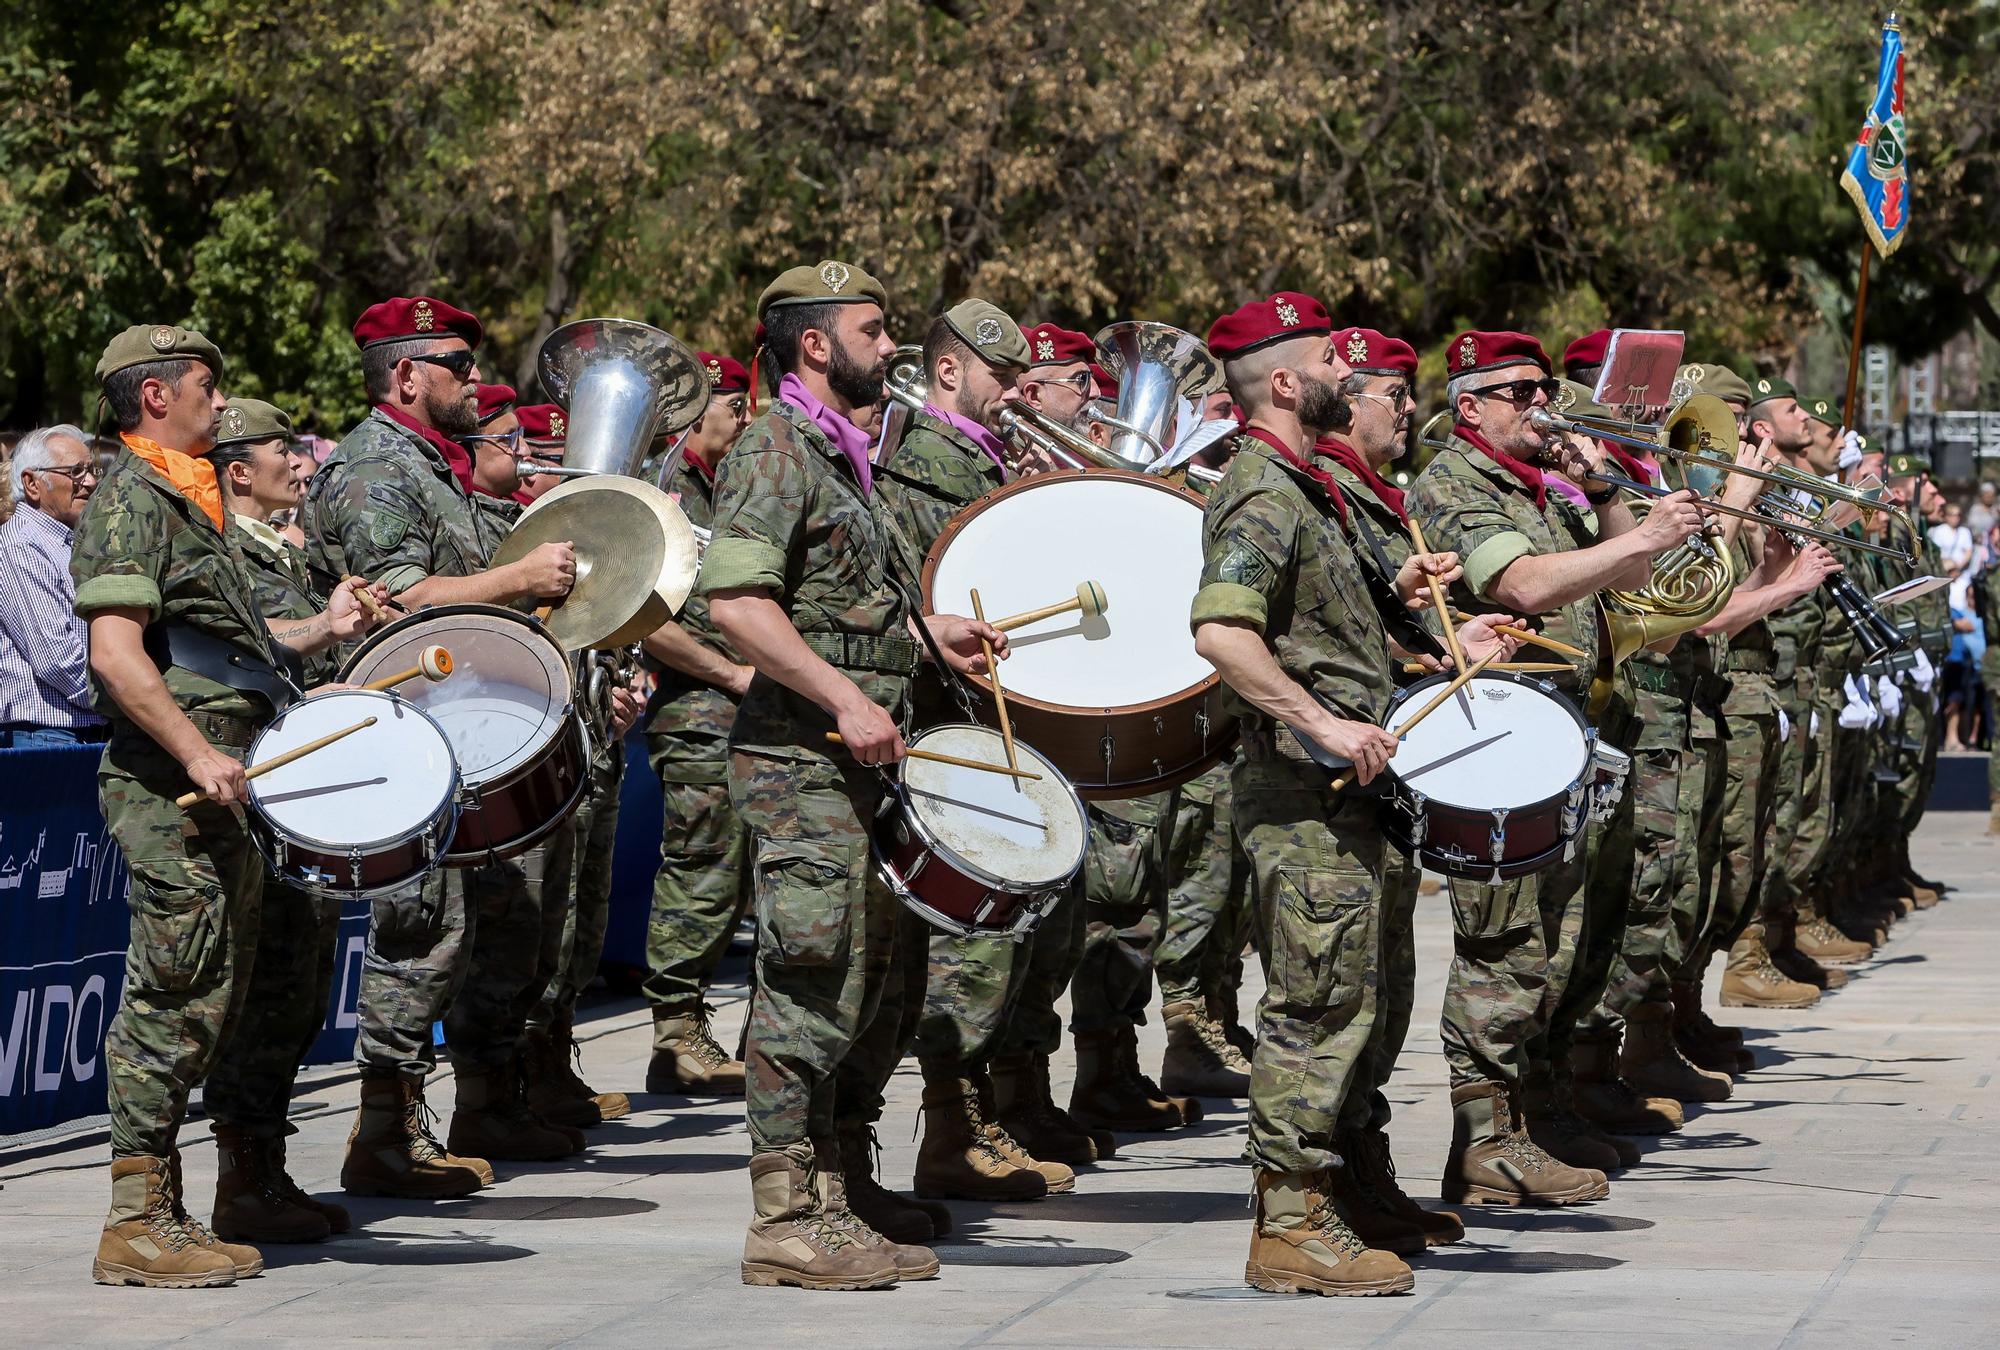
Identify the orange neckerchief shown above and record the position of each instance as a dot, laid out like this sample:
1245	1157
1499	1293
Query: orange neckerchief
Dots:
192	476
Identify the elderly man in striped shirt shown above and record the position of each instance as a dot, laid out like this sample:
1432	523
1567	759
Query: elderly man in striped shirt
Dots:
44	673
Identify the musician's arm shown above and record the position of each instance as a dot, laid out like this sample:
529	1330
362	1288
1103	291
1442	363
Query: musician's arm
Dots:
1237	651
677	649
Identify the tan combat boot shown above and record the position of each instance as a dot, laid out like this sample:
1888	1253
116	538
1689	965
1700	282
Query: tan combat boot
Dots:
792	1242
1600	1096
1651	1062
246	1258
914	1261
893	1216
1564	1135
1704	1043
957	1160
1821	941
1222	1012
557	1080
1300	1244
1058	1176
1492	1162
1101	1098
686	1058
1136	1080
1367	1154
1023	1103
253	1196
1200	1061
1750	979
391	1150
492	1120
144	1241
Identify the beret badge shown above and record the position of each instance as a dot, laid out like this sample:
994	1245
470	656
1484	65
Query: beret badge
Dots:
835	275
232	421
1288	314
557	427
1045	350
163	338
1763	386
1357	349
986	332
1468	354
422	318
714	373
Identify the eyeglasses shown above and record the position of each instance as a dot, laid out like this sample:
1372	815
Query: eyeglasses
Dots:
738	406
76	473
1520	393
1395	398
1078	384
460	363
510	441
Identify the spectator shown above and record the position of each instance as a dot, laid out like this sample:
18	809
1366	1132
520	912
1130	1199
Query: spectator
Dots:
1985	510
1954	541
1963	693
44	672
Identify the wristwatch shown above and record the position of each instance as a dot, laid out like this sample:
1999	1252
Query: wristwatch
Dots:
1602	498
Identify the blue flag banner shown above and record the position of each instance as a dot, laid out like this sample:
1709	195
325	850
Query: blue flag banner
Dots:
1877	173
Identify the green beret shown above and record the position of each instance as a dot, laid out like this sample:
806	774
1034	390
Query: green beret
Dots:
1906	462
144	343
1823	410
1767	387
1574	400
992	335
1718	381
248	420
822	283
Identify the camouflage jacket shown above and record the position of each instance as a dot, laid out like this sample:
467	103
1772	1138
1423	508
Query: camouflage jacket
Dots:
790	519
385	506
1275	556
1389	529
143	545
1468	503
495	517
1837	655
1751	692
688	722
277	569
1930	614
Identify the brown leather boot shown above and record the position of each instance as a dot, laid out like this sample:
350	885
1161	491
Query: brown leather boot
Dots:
1058	1176
792	1242
1367	1154
545	1074
957	1160
1564	1135
686	1058
1023	1104
493	1120
338	1220
246	1258
391	1150
1700	1039
1222	1012
1818	939
1372	1220
894	1216
913	1260
1300	1244
145	1242
1651	1062
1601	1096
1200	1061
1137	1080
1750	979
610	1105
1493	1162
253	1196
1102	1098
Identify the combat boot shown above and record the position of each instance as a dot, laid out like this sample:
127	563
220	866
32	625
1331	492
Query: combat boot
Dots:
1367	1154
1136	1079
1370	1218
1059	1178
338	1220
544	1071
145	1242
1300	1244
1200	1061
894	1216
1100	1098
1600	1096
1564	1135
1023	1103
913	1261
1700	1039
686	1058
791	1242
391	1150
1651	1062
1794	964
492	1119
568	1066
246	1258
1926	891
1222	1012
253	1196
1689	1005
1751	978
1819	941
1492	1162
956	1159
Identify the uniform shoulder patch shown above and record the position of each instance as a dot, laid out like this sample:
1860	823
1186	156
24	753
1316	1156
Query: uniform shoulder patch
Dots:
387	529
1243	567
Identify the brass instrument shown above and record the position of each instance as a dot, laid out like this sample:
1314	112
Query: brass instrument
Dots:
907	390
1156	366
1029	428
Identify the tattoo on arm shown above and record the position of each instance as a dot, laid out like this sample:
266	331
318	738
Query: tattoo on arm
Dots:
294	633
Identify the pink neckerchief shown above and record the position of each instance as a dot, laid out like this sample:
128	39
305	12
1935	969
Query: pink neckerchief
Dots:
1529	475
454	454
850	440
974	432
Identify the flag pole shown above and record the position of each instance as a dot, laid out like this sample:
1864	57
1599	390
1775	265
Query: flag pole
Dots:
1847	409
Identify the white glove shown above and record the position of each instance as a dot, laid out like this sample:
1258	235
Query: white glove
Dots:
1888	697
1784	726
1923	674
1858	713
1850	449
1812	727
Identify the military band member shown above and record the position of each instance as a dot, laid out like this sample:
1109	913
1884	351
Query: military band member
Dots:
1909	481
159	574
544	432
1583	359
496	449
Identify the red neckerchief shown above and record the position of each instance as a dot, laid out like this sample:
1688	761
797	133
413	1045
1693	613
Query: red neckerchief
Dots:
1345	455
454	454
1529	475
707	473
1635	468
1306	467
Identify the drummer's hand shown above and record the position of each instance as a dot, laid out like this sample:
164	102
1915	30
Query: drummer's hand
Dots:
219	777
625	709
330	687
958	638
1410	583
346	616
1480	640
1363	744
549	571
869	733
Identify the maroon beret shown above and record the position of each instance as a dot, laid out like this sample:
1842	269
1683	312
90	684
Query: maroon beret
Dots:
1049	345
726	375
1102	385
1470	353
543	422
494	399
1372	353
1284	316
1587	350
409	317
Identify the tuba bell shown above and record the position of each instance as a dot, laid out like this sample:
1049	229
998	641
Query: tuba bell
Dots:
624	384
1156	366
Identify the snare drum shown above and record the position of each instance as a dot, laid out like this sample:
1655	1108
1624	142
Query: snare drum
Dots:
508	709
972	853
1122	702
1611	769
1494	784
367	814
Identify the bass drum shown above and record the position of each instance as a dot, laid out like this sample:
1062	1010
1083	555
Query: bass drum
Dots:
1121	702
509	711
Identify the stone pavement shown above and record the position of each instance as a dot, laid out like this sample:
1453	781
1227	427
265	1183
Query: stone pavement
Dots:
1848	1195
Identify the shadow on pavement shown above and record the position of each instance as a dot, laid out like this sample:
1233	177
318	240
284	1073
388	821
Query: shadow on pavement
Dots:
387	1249
1518	1263
1514	1221
1120	1207
538	1207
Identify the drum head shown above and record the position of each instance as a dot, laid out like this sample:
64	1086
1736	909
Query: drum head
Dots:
1018	839
1033	542
508	693
380	785
1504	741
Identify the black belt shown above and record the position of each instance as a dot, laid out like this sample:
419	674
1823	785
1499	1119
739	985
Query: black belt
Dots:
861	651
1758	663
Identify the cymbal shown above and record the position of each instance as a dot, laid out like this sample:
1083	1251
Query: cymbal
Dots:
636	557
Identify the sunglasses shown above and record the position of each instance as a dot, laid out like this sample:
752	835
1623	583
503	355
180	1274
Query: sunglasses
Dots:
1078	384
1520	393
510	441
76	473
460	363
1395	398
736	407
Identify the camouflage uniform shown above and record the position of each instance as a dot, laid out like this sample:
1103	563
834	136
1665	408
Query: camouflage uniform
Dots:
703	885
1125	887
576	882
1798	836
1929	621
1208	906
196	877
1848	753
1277	556
494	518
1749	801
1516	941
790	519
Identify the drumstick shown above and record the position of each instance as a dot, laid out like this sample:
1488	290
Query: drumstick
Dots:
1418	667
433	664
999	694
1530	635
833	737
1437	599
187	799
1089	598
1444	695
360	589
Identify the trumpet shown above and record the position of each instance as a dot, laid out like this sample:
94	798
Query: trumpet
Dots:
1031	429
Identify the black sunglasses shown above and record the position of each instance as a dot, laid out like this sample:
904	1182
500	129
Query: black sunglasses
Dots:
460	363
1520	393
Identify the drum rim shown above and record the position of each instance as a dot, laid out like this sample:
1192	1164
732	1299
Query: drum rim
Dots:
1428	684
956	526
447	807
380	636
951	855
522	843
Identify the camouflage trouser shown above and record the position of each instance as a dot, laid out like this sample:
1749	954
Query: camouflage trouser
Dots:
513	939
1316	861
576	874
413	965
1053	951
1704	787
1849	808
1208	904
1366	1106
826	945
1613	867
284	1007
1925	725
1672	820
1125	901
1798	836
1748	804
703	886
1989	675
195	888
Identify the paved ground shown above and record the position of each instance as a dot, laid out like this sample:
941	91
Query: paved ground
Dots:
1848	1195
